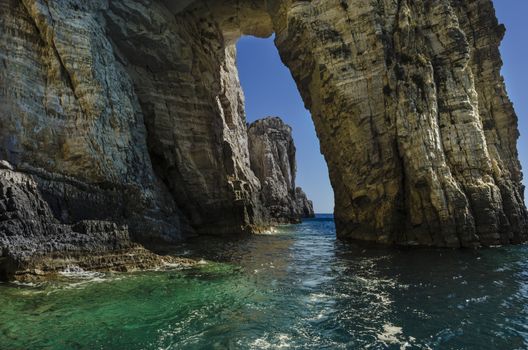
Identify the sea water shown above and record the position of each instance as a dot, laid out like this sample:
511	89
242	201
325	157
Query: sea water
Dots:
294	288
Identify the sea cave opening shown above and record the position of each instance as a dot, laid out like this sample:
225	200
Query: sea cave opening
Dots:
270	90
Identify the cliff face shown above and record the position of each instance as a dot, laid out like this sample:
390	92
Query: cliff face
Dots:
69	116
189	95
412	116
35	244
272	158
130	112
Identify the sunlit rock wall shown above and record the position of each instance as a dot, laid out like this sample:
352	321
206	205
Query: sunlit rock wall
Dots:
131	112
412	115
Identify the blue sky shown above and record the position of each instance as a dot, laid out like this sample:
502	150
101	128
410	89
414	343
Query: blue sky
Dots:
270	90
514	49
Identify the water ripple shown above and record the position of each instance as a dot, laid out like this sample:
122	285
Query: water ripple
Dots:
293	288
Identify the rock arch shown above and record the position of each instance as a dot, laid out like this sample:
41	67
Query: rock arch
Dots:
419	150
141	99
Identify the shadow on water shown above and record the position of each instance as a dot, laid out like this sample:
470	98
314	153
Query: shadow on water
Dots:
295	288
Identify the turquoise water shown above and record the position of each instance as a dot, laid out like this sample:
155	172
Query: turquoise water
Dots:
297	288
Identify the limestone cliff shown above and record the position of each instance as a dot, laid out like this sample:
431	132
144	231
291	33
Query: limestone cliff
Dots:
69	112
131	113
272	158
188	92
412	116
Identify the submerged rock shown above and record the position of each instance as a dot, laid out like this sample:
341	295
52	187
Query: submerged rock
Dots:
272	159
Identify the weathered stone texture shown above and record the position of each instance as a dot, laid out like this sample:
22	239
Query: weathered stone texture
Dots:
35	244
499	121
401	100
29	231
68	109
131	113
272	156
304	207
187	83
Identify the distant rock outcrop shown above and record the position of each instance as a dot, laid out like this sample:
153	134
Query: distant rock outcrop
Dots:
272	156
304	206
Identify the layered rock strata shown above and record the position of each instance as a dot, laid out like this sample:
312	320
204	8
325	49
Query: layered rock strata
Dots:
188	91
34	244
412	116
272	157
69	112
130	113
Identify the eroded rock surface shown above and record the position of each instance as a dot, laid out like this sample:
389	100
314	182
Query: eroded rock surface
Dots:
34	244
68	111
272	157
304	207
131	113
412	116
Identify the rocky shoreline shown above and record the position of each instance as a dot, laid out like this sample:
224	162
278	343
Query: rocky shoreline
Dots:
45	228
35	244
123	122
133	259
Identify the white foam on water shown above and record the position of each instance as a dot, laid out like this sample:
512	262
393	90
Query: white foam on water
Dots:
393	335
283	341
260	343
384	299
280	341
271	231
84	283
390	334
316	297
74	271
25	284
172	266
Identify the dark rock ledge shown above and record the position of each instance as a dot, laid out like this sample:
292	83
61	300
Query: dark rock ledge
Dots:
36	245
